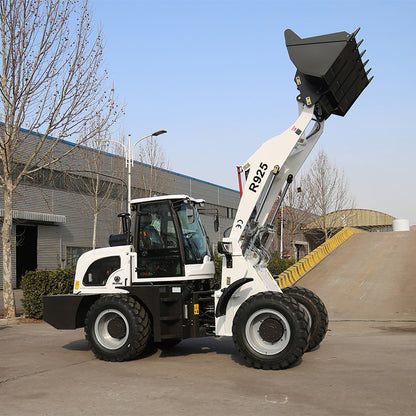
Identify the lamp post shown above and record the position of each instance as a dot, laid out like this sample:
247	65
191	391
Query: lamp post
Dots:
130	161
129	158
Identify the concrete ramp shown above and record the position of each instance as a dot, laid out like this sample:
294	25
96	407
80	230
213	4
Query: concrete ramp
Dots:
371	276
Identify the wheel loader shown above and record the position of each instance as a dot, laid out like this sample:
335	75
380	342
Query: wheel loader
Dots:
153	284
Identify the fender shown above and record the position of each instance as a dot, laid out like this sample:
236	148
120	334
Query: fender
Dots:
227	293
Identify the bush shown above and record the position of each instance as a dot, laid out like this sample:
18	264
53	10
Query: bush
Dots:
44	282
278	265
218	269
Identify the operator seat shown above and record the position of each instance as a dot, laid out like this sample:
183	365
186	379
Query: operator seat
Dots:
149	236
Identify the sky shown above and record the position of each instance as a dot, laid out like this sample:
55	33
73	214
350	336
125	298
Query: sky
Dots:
216	75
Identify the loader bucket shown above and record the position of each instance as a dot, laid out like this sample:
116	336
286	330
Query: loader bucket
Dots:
330	73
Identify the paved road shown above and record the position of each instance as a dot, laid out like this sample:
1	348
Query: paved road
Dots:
365	366
361	368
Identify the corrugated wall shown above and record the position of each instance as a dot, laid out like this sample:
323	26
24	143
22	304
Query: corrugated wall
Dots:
54	238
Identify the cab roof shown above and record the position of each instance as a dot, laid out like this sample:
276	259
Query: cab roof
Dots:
168	197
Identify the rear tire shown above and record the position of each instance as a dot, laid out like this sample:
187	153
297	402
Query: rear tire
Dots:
316	311
117	328
270	330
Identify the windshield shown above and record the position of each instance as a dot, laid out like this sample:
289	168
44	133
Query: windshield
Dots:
194	238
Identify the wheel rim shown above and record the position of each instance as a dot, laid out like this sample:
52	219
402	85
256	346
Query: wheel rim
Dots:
111	329
267	331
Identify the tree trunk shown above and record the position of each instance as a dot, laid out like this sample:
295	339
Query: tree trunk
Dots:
94	230
6	233
294	251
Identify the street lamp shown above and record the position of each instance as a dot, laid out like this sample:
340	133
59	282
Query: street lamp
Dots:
130	161
128	155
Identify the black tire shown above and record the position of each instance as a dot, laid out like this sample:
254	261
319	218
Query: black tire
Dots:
316	311
270	330
117	328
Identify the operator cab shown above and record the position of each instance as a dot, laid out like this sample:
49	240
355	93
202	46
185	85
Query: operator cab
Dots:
169	239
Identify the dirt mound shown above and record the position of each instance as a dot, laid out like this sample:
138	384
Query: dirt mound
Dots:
371	276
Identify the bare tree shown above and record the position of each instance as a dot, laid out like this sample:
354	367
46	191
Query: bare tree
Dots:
297	213
290	220
328	191
50	82
154	178
97	186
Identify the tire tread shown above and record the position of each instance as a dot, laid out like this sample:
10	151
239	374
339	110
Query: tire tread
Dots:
320	326
293	355
140	327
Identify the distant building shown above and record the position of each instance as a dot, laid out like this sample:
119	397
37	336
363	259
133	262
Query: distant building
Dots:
52	215
364	219
302	231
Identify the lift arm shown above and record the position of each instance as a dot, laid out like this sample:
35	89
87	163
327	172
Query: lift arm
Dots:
330	76
268	169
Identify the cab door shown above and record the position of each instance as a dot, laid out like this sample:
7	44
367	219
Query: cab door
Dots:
157	244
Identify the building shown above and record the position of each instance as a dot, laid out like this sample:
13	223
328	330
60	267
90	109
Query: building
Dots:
53	210
363	219
303	231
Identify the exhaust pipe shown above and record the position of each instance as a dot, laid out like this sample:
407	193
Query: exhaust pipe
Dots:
330	71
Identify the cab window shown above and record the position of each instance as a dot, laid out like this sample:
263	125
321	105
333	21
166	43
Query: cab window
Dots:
194	238
157	246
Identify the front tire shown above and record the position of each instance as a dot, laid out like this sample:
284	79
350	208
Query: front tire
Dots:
316	311
270	330
117	328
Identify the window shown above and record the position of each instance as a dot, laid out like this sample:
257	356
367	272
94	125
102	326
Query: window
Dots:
73	254
157	243
231	213
193	235
99	271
